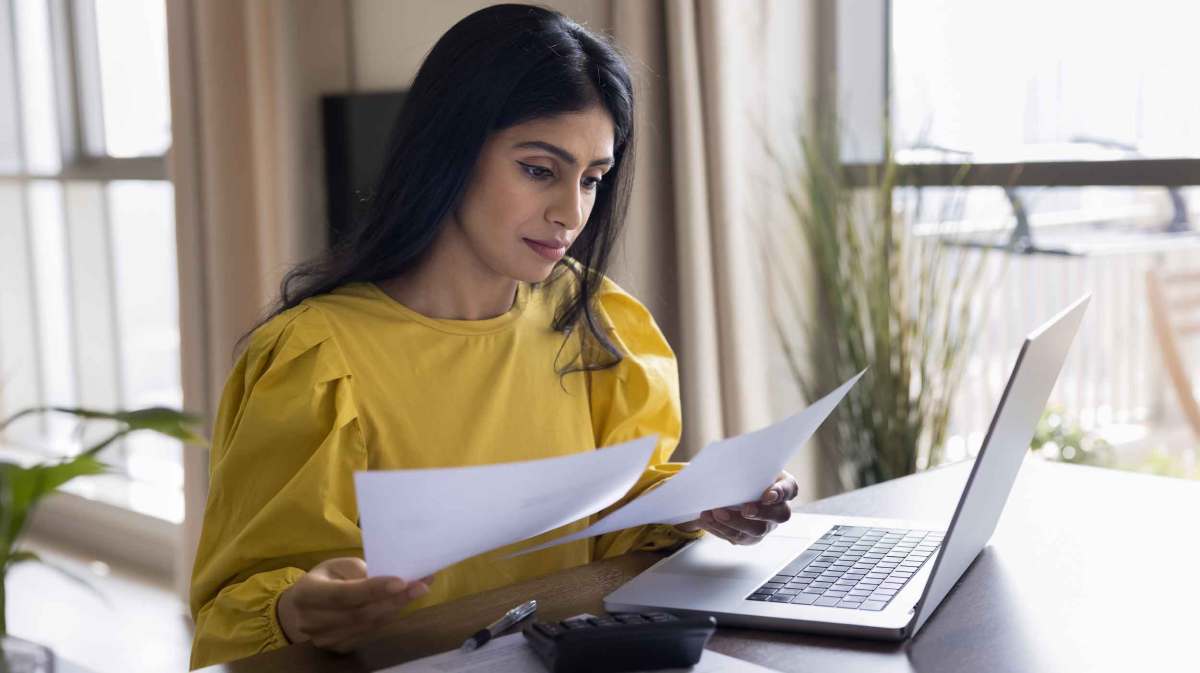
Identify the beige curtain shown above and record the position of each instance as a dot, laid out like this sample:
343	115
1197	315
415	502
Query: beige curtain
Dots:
247	168
716	79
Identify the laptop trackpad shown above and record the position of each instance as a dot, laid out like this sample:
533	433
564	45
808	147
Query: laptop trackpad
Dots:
711	557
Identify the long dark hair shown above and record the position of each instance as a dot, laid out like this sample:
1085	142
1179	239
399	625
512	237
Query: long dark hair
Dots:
501	66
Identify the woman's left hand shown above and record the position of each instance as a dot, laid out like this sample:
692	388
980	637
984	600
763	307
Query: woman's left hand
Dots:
750	522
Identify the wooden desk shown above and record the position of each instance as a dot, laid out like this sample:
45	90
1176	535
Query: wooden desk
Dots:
1089	570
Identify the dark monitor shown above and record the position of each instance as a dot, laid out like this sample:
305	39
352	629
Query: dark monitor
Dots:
356	129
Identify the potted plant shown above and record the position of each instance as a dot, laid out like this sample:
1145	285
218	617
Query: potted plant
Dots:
22	487
870	294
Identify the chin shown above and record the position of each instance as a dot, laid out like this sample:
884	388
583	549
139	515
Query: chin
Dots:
537	274
531	269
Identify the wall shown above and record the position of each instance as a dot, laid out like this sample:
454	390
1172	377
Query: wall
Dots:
392	37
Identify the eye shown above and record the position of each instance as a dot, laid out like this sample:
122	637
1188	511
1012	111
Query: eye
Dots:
536	172
591	183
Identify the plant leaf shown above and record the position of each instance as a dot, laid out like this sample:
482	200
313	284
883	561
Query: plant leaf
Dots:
19	556
165	420
23	487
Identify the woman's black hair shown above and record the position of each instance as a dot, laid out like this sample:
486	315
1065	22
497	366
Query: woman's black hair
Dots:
501	66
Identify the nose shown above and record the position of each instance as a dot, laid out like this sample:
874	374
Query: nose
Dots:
566	210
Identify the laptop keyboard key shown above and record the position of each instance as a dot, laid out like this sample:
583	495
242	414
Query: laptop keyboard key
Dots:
852	564
849	604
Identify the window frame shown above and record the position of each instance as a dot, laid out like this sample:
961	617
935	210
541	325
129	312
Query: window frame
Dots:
868	67
98	524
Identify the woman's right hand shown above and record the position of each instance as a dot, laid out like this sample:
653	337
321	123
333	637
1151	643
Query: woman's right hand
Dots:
336	606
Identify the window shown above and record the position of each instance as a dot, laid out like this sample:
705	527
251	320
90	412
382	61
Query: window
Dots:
88	288
1079	122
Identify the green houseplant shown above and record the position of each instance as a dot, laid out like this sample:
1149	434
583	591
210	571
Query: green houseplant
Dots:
22	487
870	294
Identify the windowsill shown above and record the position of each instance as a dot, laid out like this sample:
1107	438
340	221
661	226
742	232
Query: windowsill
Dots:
111	516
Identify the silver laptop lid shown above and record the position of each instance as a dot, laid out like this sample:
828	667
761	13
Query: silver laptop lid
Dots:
1037	368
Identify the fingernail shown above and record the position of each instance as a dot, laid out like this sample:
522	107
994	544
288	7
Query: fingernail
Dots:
396	586
417	591
750	510
771	497
721	515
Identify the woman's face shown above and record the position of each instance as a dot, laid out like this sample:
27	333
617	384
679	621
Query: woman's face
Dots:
532	191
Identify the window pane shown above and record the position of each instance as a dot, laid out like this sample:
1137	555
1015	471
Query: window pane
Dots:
38	112
54	324
19	387
143	230
1026	79
131	37
10	161
1112	385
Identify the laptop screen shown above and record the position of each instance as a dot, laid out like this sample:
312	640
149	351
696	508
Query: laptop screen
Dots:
1033	377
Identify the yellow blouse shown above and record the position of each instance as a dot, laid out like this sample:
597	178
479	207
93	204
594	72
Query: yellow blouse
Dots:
354	380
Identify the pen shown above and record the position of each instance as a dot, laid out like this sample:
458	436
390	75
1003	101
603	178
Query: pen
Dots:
497	627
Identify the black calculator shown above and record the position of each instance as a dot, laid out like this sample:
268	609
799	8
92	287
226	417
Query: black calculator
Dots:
631	641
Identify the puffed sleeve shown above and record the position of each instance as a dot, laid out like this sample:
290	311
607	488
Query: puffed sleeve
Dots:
286	444
637	397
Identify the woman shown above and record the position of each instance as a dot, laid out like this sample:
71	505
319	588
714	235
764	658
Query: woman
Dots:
449	329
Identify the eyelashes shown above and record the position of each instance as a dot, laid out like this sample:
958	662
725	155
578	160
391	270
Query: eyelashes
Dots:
543	173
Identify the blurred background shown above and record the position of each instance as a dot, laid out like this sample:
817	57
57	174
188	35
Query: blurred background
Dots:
162	163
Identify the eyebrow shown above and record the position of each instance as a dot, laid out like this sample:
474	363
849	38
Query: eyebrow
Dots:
561	153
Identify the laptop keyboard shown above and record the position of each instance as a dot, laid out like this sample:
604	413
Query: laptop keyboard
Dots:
852	567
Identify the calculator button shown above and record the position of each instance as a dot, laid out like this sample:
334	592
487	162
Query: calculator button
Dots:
548	630
630	618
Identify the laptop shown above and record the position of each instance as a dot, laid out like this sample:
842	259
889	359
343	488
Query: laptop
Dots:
867	577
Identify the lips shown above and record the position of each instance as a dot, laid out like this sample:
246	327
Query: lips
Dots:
551	249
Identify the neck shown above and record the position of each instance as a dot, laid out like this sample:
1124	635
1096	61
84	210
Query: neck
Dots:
452	284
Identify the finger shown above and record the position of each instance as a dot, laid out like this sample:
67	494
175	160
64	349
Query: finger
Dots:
335	630
334	593
752	527
779	512
318	620
314	622
785	488
342	568
791	487
342	639
719	529
364	624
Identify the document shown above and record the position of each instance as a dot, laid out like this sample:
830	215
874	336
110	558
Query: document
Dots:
411	529
511	654
725	473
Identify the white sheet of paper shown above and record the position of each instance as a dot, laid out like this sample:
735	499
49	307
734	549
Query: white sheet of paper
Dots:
725	473
511	654
416	522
